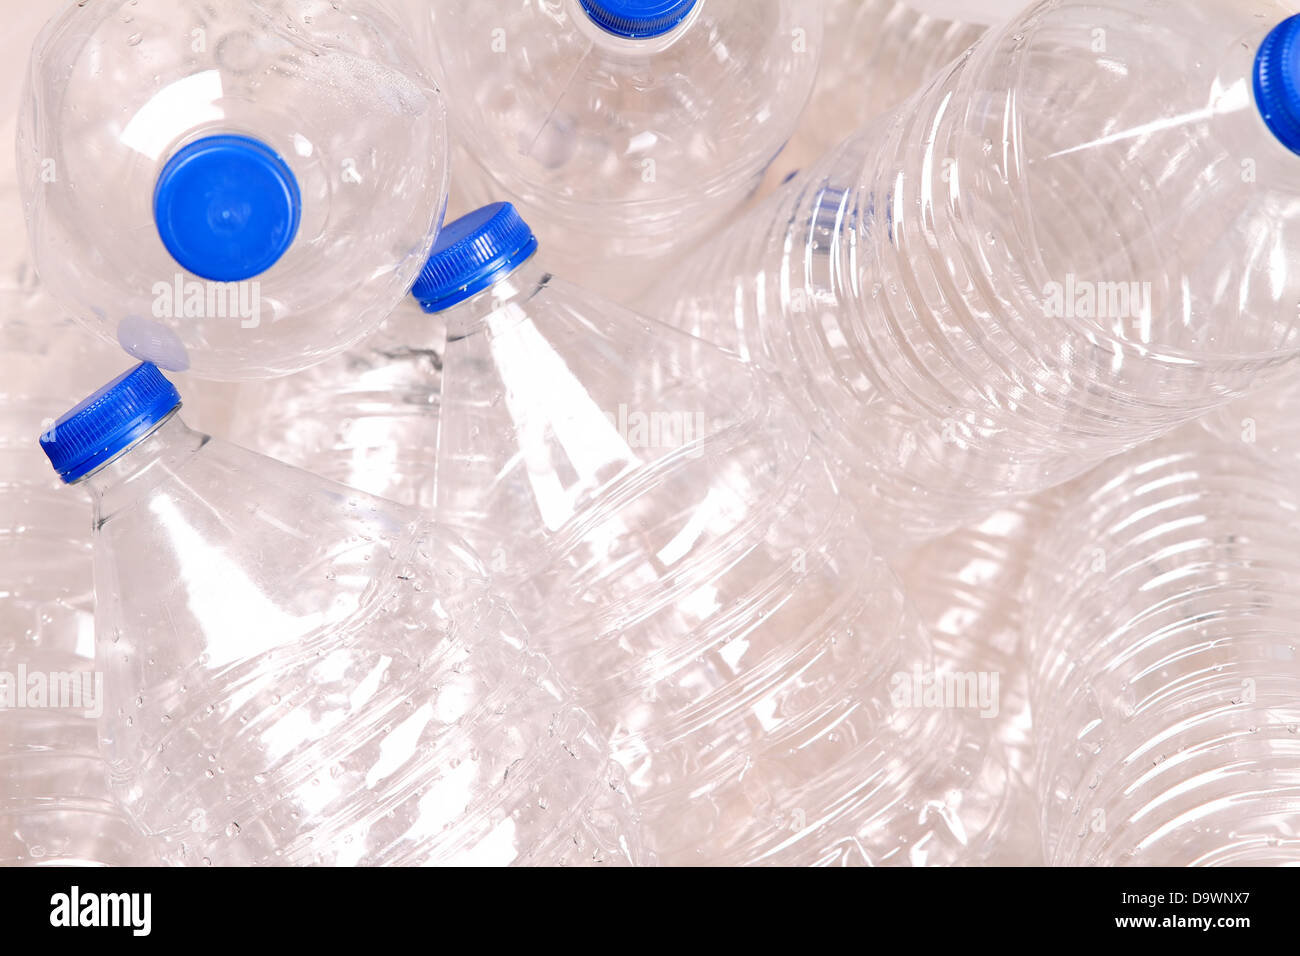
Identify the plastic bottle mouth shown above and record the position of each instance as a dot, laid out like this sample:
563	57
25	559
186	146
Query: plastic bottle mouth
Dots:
227	207
473	253
110	421
637	19
1277	82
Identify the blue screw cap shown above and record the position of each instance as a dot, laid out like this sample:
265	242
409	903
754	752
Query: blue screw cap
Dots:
110	421
227	207
637	19
1277	82
473	253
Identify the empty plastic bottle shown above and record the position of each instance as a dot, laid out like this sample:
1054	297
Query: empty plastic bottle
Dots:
1074	241
367	418
16	273
56	805
1266	424
684	557
300	673
967	590
877	53
1166	690
239	188
623	129
22	23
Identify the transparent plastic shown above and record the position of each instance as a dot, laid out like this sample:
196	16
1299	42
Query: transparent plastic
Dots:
967	590
984	12
620	152
877	53
335	87
1166	682
680	551
298	673
367	418
1050	255
1267	424
22	23
559	478
16	272
56	805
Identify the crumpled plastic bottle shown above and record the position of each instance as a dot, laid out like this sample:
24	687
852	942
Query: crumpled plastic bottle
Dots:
1166	685
296	672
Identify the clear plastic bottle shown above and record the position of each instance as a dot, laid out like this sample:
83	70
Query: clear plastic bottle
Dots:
679	549
367	418
296	672
1166	690
623	129
233	187
16	272
22	23
967	589
1267	424
1073	242
56	805
877	53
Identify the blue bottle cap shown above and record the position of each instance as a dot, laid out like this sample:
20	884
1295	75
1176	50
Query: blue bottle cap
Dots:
637	19
471	254
1277	82
227	207
110	421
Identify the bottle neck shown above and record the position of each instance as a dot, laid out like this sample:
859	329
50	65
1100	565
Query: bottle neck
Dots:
629	48
142	465
518	286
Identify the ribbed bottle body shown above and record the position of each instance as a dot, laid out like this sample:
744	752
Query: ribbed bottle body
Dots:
971	300
56	805
367	418
877	54
666	526
748	690
1165	681
967	588
300	673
